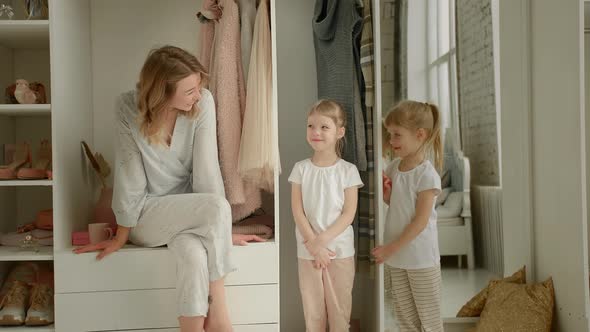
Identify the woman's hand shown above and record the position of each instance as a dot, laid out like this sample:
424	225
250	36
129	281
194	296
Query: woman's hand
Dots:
243	239
105	247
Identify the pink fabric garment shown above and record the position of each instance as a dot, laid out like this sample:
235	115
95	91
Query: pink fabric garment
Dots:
262	231
259	155
262	225
209	14
228	89
263	219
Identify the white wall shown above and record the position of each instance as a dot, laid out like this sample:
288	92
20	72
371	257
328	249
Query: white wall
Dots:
122	33
558	131
517	210
544	178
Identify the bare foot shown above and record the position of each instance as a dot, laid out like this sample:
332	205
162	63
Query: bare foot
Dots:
217	319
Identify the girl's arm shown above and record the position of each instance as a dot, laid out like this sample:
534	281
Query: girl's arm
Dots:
424	204
321	254
301	221
344	220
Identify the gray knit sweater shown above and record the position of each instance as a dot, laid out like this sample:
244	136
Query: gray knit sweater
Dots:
337	25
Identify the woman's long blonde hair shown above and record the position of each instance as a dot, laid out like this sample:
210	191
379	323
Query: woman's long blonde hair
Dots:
334	111
414	115
162	70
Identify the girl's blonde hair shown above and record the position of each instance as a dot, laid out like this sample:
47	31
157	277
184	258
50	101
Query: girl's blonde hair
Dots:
334	111
414	115
162	70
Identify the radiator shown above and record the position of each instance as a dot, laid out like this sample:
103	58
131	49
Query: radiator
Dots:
487	213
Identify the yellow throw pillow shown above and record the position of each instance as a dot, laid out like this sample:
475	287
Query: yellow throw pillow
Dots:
518	307
474	307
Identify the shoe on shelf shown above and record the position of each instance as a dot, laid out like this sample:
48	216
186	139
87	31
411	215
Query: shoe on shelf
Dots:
22	157
27	272
41	306
14	304
40	168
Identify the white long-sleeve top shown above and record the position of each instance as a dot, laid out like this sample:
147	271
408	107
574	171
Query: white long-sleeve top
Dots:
189	164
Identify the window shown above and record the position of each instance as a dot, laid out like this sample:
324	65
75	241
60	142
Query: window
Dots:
442	62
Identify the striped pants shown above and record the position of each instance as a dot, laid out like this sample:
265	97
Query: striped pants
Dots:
416	298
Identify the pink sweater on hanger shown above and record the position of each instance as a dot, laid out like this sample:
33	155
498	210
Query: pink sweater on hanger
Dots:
228	89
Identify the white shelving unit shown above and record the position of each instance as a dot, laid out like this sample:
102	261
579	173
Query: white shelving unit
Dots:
24	54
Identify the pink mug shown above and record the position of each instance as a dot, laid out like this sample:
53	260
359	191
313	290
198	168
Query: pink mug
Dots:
98	232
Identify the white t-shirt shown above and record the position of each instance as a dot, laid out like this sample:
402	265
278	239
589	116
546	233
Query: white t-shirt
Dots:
423	251
322	190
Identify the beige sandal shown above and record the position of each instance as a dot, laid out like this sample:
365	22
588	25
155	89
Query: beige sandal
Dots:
22	157
41	166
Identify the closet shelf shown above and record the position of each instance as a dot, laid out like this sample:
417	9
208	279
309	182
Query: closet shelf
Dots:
24	34
25	110
22	183
45	253
50	328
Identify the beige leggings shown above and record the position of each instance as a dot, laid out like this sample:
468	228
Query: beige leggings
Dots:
327	294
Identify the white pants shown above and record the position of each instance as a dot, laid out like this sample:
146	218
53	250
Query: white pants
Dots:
197	229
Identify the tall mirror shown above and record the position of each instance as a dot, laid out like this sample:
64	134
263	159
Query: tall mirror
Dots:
444	52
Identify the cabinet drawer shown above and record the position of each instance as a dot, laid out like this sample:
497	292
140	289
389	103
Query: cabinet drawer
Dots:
147	268
156	308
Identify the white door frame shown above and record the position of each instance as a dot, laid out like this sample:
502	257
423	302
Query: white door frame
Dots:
515	123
